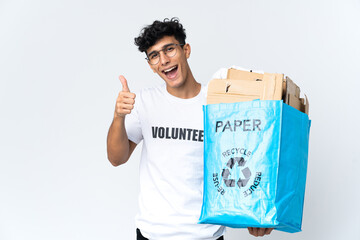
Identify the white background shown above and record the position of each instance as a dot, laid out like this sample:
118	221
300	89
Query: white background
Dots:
59	63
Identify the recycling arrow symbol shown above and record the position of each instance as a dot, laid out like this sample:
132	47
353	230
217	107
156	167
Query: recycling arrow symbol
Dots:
229	182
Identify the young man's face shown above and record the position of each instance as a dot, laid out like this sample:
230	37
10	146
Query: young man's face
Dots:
174	70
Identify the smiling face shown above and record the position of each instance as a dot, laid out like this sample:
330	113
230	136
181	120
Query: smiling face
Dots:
174	70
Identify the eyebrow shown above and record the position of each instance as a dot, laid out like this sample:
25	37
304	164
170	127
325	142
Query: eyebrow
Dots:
166	45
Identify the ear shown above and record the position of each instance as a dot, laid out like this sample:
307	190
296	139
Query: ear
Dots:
152	67
187	50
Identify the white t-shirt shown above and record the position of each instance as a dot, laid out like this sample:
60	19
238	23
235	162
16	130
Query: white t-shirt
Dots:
171	166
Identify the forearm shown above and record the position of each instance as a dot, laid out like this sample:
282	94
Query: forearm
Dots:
117	142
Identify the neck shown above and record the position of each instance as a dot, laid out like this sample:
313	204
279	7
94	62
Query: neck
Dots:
189	89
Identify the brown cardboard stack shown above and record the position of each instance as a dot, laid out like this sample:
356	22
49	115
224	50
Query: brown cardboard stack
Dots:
240	86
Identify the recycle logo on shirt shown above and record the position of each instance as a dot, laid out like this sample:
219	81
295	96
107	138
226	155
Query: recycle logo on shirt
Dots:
226	172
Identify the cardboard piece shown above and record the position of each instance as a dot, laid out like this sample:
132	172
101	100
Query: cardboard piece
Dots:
245	86
240	86
243	75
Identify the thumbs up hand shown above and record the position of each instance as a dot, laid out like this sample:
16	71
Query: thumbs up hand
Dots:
125	100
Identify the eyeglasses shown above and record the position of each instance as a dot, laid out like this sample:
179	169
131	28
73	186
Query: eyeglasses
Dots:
169	50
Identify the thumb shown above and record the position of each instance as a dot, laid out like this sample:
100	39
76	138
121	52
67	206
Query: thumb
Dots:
124	84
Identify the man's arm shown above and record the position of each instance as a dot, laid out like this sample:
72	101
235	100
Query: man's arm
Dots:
119	147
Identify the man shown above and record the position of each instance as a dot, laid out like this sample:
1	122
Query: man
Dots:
169	120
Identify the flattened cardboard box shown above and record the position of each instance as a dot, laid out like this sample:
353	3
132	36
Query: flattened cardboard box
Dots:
240	86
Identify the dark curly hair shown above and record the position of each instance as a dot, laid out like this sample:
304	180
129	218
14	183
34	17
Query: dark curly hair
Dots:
152	33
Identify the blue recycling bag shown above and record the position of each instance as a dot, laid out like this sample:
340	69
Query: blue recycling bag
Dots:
255	163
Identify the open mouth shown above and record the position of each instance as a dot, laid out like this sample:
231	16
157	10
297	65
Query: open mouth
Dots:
171	72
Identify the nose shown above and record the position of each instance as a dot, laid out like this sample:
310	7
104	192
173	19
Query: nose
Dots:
163	58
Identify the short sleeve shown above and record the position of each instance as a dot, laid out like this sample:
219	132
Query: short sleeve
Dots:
133	124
